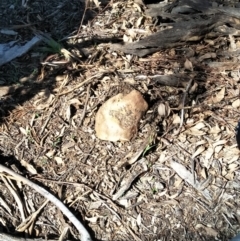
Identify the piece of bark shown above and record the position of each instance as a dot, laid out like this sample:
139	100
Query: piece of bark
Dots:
176	80
180	6
176	36
230	11
171	16
223	66
179	9
193	28
229	54
191	6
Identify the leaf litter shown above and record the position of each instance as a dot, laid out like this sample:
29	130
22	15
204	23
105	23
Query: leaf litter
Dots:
48	127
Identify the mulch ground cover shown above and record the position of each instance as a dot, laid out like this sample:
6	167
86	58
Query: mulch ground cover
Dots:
178	178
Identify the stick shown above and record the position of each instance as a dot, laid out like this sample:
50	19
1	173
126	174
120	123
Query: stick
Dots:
84	13
85	106
82	83
84	235
183	102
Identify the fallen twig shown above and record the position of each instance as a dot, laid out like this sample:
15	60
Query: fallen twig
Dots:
99	75
183	102
84	235
85	106
16	197
84	13
47	120
28	223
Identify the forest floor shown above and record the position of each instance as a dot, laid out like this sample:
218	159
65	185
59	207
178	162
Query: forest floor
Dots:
177	179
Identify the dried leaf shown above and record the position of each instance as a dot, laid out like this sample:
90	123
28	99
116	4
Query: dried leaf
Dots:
68	113
176	119
74	101
194	88
204	173
219	96
182	137
198	151
162	110
188	65
229	176
220	142
209	231
97	3
218	149
50	153
131	33
139	219
208	156
230	155
199	125
236	103
92	219
162	157
137	6
207	56
95	205
139	22
23	131
59	160
29	167
215	130
199	143
233	159
124	203
195	132
233	167
125	38
46	104
232	46
130	80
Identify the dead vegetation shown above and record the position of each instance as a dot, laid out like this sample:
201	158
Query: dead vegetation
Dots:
178	178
